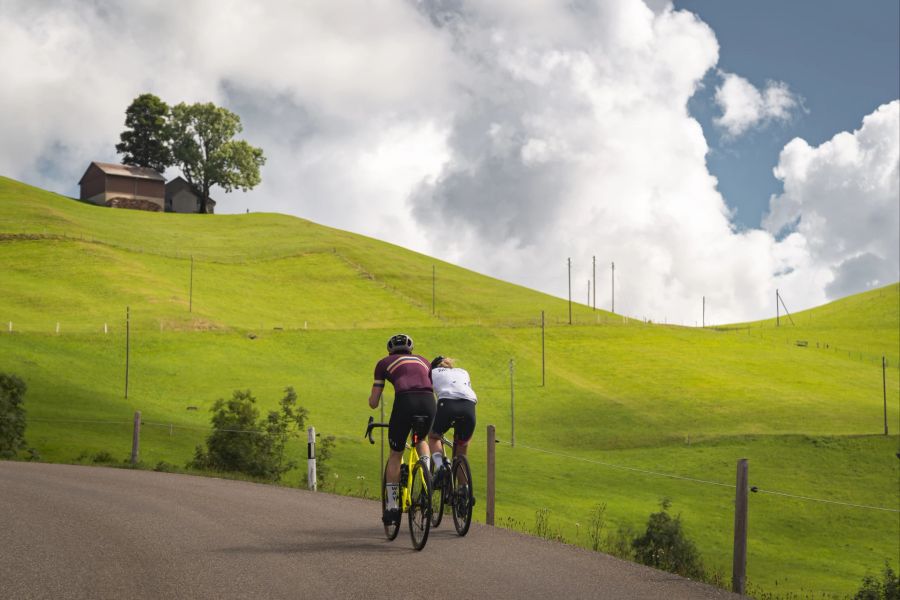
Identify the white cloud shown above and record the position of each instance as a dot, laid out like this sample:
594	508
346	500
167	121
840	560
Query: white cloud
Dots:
505	135
744	106
844	200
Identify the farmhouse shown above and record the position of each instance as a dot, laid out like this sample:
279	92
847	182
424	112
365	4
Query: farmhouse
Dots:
181	197
109	184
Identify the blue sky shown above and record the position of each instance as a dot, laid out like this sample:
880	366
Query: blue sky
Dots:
842	58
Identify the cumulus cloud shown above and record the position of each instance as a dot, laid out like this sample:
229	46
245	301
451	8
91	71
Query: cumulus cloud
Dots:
744	106
842	197
505	136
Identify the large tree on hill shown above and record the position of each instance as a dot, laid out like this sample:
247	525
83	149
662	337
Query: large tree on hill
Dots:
146	141
203	148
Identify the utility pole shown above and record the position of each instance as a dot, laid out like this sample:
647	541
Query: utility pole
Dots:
570	290
543	355
594	279
614	287
884	391
127	345
191	293
512	405
704	311
777	310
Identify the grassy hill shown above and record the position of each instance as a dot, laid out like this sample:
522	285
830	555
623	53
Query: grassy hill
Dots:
623	402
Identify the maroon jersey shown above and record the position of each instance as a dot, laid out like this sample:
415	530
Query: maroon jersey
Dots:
408	373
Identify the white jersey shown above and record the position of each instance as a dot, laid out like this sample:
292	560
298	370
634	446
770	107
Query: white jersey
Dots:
452	383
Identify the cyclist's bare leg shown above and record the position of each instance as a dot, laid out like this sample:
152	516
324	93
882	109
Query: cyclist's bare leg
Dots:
423	449
434	444
392	473
392	482
460	449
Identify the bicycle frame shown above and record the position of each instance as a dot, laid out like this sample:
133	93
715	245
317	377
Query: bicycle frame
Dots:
410	468
408	459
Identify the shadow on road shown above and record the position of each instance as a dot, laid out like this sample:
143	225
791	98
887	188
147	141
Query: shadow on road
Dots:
331	540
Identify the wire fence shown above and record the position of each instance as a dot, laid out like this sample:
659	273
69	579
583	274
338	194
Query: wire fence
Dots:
754	489
206	430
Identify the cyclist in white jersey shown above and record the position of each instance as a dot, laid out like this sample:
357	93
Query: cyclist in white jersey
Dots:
456	407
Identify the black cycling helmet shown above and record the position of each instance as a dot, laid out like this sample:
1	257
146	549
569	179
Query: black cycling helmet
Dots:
436	362
400	343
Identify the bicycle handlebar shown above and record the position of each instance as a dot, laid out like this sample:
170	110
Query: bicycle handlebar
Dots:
370	426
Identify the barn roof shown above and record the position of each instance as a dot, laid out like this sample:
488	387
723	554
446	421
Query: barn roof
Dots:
126	171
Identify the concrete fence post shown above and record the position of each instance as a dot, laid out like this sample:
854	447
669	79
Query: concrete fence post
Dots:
491	453
739	569
136	438
311	458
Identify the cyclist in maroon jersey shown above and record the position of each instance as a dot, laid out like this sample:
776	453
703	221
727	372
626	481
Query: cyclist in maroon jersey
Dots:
410	375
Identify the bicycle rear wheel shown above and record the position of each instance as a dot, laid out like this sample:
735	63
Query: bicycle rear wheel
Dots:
393	529
439	494
420	506
462	497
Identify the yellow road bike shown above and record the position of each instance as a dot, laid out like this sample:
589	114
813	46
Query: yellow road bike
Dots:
415	489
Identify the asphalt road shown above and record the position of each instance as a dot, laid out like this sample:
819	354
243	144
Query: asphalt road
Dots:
90	532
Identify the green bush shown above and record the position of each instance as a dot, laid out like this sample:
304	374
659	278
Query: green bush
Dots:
242	442
665	546
103	457
12	415
888	588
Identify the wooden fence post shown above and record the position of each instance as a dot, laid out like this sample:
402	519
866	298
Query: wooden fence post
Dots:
491	442
311	458
739	569
136	438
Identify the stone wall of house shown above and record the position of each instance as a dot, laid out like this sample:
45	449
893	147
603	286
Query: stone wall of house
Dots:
134	204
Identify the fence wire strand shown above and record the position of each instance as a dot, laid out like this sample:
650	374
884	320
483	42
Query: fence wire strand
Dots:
703	481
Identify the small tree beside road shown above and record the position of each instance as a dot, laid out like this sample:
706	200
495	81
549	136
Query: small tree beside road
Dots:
242	442
12	415
665	546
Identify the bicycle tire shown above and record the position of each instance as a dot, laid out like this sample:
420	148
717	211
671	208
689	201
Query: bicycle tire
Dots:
462	497
439	496
420	506
390	531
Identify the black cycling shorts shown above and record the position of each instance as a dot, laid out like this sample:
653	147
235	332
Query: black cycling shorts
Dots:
406	406
458	413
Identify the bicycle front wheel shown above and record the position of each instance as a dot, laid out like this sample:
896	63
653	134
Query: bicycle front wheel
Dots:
393	529
462	498
420	506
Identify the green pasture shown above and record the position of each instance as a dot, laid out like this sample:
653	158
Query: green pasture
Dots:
279	301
